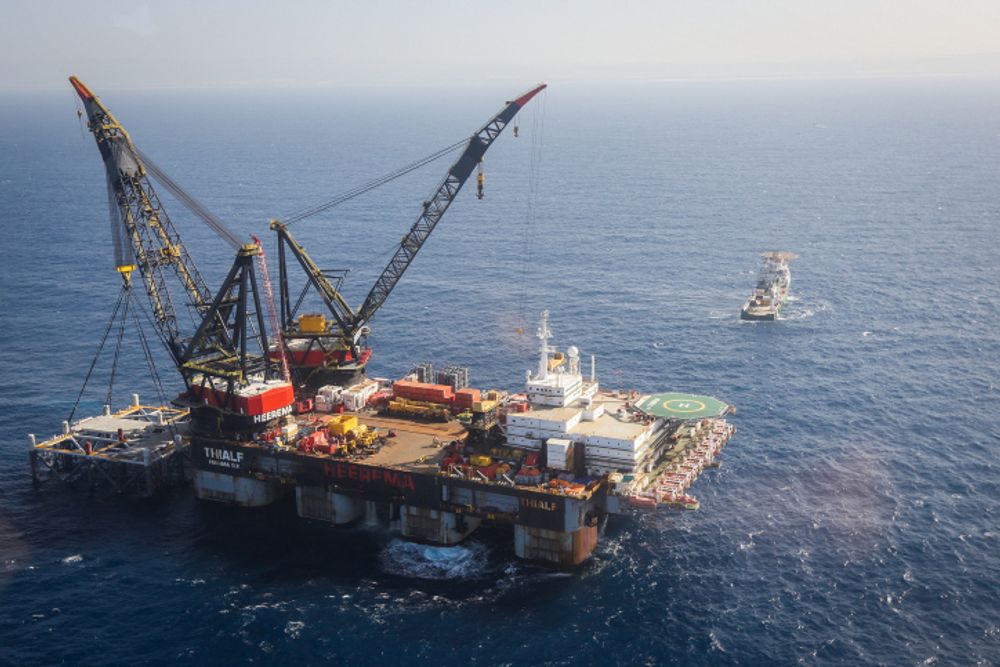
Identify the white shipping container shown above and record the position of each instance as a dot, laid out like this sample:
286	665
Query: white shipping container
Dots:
330	392
352	401
356	396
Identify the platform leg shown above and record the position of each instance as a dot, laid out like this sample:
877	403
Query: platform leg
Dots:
555	547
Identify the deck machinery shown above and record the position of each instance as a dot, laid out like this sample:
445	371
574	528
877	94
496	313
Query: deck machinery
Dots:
553	461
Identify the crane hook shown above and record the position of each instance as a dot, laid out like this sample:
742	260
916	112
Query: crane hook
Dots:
516	130
480	181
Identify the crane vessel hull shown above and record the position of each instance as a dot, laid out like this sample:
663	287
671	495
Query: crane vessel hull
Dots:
434	463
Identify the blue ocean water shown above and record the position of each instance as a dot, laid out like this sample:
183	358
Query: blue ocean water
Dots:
855	518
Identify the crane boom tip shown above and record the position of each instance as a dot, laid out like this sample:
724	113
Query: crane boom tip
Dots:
81	89
524	99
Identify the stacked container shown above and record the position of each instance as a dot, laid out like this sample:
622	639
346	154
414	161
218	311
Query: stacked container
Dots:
421	391
456	377
466	398
327	397
424	372
356	396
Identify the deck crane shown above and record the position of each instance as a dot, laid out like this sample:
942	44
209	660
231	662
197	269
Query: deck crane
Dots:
331	351
233	387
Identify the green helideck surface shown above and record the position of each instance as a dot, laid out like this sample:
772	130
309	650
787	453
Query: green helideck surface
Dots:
681	406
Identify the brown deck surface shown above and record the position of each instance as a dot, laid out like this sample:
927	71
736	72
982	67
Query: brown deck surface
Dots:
418	447
414	446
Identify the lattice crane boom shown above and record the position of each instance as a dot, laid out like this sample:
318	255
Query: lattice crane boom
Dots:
154	244
435	208
338	345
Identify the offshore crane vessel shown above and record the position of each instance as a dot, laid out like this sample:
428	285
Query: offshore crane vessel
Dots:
296	414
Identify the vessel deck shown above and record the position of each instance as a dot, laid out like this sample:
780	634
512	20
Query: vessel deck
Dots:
417	446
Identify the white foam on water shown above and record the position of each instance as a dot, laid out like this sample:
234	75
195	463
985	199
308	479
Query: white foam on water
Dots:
71	560
421	561
797	309
294	628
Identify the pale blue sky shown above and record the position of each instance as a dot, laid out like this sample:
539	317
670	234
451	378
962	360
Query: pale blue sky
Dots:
387	43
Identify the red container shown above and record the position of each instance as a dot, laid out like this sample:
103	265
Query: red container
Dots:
379	398
466	397
420	391
531	460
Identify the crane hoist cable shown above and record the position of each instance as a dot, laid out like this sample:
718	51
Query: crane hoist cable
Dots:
192	204
122	296
370	185
108	399
150	362
79	115
124	307
534	172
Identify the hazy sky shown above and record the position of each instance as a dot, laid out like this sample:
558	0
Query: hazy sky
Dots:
320	44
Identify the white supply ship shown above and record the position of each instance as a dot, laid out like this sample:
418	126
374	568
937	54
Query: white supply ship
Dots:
772	288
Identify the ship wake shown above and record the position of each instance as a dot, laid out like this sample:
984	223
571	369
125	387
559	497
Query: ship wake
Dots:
421	561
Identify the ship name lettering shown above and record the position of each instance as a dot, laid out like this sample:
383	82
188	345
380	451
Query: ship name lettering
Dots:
223	458
399	480
534	503
268	416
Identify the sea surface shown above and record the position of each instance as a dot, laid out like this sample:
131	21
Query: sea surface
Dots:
855	519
